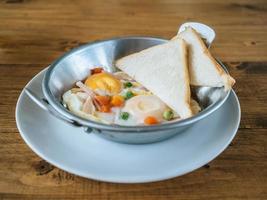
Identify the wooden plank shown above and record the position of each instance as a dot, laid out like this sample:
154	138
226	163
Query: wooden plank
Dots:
34	32
239	173
251	90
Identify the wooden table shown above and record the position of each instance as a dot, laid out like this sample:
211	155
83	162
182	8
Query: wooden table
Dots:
35	32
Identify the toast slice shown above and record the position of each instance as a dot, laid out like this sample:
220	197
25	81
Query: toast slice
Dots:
163	70
204	70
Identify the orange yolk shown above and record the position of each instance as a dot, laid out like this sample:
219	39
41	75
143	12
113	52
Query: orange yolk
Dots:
104	81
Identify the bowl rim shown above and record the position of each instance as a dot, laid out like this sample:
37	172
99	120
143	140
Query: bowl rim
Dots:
60	109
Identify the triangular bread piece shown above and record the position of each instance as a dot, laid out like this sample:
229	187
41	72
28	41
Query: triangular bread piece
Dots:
163	70
204	70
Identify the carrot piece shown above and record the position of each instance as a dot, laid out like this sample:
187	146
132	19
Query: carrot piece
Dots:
102	100
151	120
105	108
96	70
117	100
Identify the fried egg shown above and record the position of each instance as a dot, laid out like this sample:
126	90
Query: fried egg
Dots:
104	81
142	106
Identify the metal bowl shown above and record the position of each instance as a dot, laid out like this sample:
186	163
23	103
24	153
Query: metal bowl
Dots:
75	65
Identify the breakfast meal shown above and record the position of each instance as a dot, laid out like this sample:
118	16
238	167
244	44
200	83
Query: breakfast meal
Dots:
153	86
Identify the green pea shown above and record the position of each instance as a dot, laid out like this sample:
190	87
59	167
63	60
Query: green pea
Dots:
128	85
168	115
125	115
128	95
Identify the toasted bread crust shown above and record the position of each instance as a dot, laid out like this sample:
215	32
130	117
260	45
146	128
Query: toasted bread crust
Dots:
187	79
207	52
226	78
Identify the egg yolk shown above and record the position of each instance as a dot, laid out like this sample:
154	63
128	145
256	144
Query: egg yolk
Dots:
104	81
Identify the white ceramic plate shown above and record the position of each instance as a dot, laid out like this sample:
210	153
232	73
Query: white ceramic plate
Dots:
90	156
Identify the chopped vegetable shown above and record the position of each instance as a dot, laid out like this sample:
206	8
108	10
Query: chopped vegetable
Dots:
82	95
96	70
117	100
128	95
102	100
75	90
96	104
168	115
128	85
105	108
125	115
150	120
88	106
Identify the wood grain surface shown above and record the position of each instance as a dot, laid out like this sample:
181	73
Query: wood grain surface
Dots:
35	32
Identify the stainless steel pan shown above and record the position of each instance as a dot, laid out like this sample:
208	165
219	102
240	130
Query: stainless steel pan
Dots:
75	65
